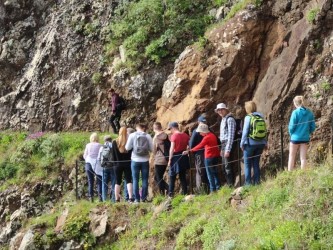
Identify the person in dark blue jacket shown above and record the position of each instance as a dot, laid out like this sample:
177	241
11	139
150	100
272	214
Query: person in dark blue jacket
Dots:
301	126
201	179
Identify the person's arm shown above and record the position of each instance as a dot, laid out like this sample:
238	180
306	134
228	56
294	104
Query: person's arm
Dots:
312	124
99	157
200	146
292	123
172	147
129	143
85	154
246	130
155	145
231	135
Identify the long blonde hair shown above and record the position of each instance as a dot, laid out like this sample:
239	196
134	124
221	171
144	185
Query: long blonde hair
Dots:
122	139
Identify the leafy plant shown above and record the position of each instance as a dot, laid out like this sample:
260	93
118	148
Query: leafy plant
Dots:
312	14
326	86
96	78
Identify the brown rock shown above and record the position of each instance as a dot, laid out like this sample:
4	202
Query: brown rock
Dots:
61	221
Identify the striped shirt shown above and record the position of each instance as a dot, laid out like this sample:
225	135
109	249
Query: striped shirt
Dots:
227	131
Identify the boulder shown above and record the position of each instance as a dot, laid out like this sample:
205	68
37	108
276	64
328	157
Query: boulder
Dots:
98	222
15	242
61	221
27	241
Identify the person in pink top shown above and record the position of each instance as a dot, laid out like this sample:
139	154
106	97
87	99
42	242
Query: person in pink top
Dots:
93	167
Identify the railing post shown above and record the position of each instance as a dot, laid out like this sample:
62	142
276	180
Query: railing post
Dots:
239	163
282	147
76	180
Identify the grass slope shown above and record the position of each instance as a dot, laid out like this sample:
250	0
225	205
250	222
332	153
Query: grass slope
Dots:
293	211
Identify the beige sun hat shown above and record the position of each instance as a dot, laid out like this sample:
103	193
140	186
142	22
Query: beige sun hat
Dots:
202	128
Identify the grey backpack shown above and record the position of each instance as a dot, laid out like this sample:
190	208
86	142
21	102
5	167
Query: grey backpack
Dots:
141	145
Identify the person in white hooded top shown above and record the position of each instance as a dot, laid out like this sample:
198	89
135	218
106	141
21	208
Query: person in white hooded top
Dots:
93	167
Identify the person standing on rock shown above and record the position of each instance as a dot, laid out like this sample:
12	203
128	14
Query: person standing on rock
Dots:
116	109
253	142
93	167
142	144
301	126
161	145
122	159
201	173
210	146
178	163
228	147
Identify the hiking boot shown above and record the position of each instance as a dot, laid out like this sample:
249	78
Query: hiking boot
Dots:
91	199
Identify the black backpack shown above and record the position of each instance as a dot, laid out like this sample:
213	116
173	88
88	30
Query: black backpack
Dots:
239	127
121	103
166	145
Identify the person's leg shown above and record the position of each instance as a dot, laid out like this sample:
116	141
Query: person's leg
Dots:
303	151
293	148
91	178
104	184
112	177
247	153
256	161
198	170
214	172
172	180
112	123
183	182
145	177
159	172
128	183
117	120
228	170
118	179
165	186
212	186
99	186
135	177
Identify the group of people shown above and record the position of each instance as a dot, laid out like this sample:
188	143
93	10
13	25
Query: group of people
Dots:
128	156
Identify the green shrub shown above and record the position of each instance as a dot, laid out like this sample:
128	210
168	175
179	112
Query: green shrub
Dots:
96	78
212	232
312	14
7	170
51	148
190	235
326	86
151	30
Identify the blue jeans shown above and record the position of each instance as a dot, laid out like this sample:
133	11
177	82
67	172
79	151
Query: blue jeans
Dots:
108	177
212	173
91	179
138	167
252	155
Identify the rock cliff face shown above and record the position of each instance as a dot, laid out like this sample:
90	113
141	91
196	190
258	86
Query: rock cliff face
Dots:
52	69
54	76
269	55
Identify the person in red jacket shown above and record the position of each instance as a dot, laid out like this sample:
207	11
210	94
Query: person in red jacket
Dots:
209	143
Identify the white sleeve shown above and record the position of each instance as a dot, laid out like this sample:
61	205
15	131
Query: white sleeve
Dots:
129	143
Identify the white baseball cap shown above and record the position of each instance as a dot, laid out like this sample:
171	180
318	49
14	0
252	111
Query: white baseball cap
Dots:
221	106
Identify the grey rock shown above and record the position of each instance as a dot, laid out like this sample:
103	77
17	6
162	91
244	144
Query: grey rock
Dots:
28	241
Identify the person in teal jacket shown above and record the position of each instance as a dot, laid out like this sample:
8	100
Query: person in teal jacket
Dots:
301	126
